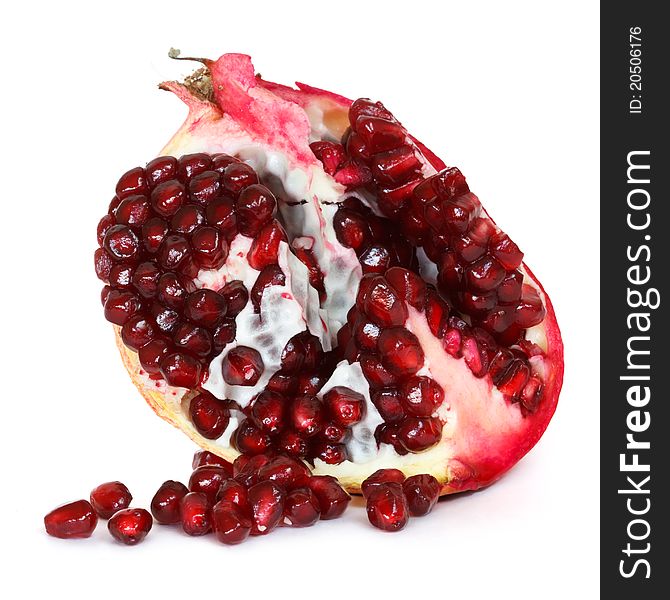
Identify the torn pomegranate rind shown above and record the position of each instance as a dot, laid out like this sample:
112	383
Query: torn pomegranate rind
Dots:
390	277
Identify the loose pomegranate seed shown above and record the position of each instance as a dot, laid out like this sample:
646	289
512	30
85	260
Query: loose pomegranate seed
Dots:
180	370
242	366
307	416
223	334
109	497
205	307
400	351
231	525
269	411
134	211
387	507
73	520
381	303
255	206
270	275
210	249
165	505
286	472
130	525
236	297
387	402
154	232
209	415
264	249
417	434
422	492
248	439
420	396
207	480
203	457
301	508
120	305
266	500
196	517
345	406
121	243
379	477
160	169
233	491
333	500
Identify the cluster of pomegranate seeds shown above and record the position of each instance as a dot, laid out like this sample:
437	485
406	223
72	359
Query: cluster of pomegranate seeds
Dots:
166	223
391	499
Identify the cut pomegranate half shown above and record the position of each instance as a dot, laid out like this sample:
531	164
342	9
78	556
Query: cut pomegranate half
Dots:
296	274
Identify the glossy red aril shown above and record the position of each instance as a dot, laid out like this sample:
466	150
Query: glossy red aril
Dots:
130	525
204	457
387	507
233	491
345	406
420	396
109	497
422	492
400	350
73	520
286	472
333	499
242	366
196	514
165	505
207	480
230	522
301	508
381	476
266	500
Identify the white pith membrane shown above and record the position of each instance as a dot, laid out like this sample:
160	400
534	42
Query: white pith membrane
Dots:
475	414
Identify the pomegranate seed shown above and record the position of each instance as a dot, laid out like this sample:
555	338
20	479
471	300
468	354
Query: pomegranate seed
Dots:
223	334
420	396
505	251
145	279
532	393
450	183
266	500
248	439
387	433
137	331
530	311
264	249
334	433
168	197
205	307
207	480
285	471
109	497
154	232
366	335
174	252
161	169
187	219
515	378
236	297
376	258
382	304
246	468
151	354
345	406
417	434
395	166
242	366
103	226
380	135
166	319
73	520
509	290
499	365
255	206
231	525
293	355
400	351
485	275
269	412
422	492
237	176
270	275
130	525
376	374
333	500
121	243
120	305
204	457
364	107
233	491
120	276
379	477
196	517
351	229
408	285
180	370
291	443
134	210
172	291
191	165
221	214
210	249
387	402
331	454
204	187
387	507
307	415
103	264
165	505
301	508
330	154
132	182
209	415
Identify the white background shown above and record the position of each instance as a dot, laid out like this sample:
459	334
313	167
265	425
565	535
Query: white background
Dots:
508	91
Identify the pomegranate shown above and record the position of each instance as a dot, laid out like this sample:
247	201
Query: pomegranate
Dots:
297	274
